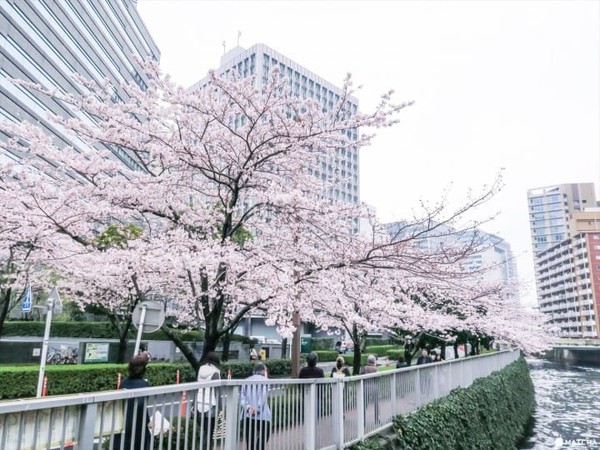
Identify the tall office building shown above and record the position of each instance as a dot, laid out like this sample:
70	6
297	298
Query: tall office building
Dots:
258	61
47	41
550	208
343	167
494	260
566	243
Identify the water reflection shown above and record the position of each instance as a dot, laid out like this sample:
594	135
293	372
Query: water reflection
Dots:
568	406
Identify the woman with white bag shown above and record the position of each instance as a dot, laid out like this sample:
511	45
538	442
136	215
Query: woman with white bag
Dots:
207	400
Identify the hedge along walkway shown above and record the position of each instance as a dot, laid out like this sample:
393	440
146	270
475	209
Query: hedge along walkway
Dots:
21	381
492	413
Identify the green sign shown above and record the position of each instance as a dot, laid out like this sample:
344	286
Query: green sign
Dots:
306	343
95	353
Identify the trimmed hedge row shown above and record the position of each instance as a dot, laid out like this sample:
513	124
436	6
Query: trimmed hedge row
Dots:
21	382
95	330
379	350
326	355
492	413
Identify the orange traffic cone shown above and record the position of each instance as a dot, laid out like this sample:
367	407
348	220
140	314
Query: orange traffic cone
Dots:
119	380
229	374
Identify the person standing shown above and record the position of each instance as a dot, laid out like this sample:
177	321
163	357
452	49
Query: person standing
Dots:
371	393
340	370
424	358
256	414
137	435
207	400
401	362
311	370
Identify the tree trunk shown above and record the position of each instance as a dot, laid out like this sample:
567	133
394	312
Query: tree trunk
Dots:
443	350
455	346
183	347
357	350
211	340
226	346
5	303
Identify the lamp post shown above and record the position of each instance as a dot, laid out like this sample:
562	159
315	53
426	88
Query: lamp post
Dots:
53	301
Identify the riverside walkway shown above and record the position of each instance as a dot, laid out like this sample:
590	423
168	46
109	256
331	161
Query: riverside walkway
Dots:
306	414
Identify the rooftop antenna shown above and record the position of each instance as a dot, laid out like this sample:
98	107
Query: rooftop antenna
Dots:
223	47
239	35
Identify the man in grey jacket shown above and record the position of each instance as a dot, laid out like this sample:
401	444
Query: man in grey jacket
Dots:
256	414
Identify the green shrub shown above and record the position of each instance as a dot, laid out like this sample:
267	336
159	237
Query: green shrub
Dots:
394	353
349	359
326	355
97	330
492	413
379	350
322	343
21	381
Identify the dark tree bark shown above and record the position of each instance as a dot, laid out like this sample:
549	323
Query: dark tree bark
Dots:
4	307
181	345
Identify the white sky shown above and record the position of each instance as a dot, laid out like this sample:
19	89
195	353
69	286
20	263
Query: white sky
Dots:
497	84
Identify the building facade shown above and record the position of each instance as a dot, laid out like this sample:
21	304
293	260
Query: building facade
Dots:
493	260
568	278
565	239
47	42
258	61
550	209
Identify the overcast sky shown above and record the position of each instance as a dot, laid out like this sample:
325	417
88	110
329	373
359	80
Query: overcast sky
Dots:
510	85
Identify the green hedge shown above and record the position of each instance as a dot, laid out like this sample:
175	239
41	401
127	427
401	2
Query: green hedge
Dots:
322	343
349	359
21	381
379	350
95	330
492	413
326	355
395	353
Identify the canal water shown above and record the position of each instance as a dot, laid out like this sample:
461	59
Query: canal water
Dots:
567	415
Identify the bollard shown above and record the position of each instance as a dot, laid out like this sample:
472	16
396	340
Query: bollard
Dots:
183	408
45	387
229	374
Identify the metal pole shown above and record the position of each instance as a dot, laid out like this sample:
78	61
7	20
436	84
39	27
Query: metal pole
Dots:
140	330
50	306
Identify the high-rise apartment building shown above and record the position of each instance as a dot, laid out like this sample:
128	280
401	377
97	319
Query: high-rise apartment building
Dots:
566	243
550	209
568	278
258	61
48	41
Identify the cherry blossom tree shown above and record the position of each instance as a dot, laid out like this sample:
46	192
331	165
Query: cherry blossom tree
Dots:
231	217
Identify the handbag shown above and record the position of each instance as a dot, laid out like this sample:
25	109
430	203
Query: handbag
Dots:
220	430
159	424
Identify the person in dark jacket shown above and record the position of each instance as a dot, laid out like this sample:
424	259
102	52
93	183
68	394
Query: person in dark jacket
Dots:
424	358
311	370
401	362
137	435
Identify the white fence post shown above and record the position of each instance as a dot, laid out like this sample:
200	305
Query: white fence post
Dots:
310	416
232	412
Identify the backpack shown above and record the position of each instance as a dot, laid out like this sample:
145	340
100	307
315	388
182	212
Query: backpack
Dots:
338	374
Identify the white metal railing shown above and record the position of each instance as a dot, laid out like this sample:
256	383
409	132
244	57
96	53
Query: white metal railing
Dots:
329	413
